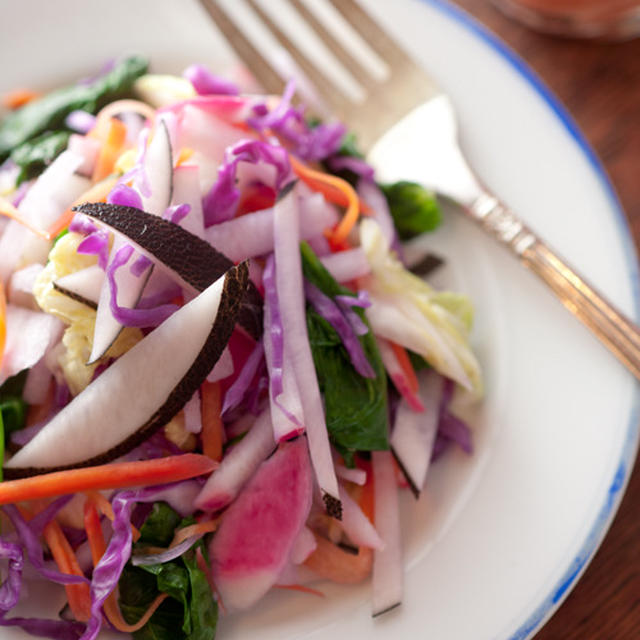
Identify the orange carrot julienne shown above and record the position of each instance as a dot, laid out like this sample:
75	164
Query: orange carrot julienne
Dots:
96	193
114	475
112	147
336	190
198	529
212	427
19	97
405	364
9	211
333	563
114	614
78	595
105	508
94	531
301	588
184	156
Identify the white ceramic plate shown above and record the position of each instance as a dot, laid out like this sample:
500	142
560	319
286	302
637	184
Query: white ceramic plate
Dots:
498	539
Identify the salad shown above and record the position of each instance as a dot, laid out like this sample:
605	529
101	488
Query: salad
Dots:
217	370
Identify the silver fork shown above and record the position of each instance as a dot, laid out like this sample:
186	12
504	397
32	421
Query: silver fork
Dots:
419	111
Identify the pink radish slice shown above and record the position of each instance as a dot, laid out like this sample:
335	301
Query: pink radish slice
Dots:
258	531
397	375
347	265
130	287
158	167
357	476
192	414
37	384
414	433
21	286
186	190
251	235
29	335
223	368
84	285
87	148
238	465
305	544
189	259
289	283
143	389
356	525
388	569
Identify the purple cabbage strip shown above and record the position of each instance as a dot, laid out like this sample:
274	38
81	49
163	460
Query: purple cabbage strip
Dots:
20	193
29	535
133	317
332	313
55	629
124	196
140	265
253	402
164	556
220	203
206	83
347	302
96	244
450	426
273	333
356	165
161	297
10	588
82	224
177	212
242	383
80	121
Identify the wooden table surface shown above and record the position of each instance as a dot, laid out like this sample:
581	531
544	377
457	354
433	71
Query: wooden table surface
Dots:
600	85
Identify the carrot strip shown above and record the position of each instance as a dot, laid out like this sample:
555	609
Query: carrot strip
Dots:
9	211
19	97
106	114
115	475
78	595
184	156
105	508
212	427
198	529
112	147
333	563
94	531
114	615
96	193
301	588
405	364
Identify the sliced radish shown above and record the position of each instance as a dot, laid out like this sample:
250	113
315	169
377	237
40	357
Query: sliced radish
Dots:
289	282
258	531
223	368
356	524
186	190
251	235
192	414
195	262
21	286
414	433
36	387
238	465
83	285
28	336
388	569
347	265
143	389
158	167
304	545
130	287
398	375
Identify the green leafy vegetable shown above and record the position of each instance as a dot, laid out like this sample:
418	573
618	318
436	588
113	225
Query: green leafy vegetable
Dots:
190	611
355	407
49	112
414	209
34	155
13	409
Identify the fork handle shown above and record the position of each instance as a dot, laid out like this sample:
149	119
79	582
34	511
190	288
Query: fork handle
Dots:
619	334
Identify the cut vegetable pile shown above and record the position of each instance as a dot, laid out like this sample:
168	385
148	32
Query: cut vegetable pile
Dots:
216	371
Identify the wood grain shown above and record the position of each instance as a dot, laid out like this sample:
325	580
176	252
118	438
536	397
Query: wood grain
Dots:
600	85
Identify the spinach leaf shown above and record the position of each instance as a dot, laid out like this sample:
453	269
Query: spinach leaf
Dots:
355	407
34	155
13	408
190	611
49	111
414	209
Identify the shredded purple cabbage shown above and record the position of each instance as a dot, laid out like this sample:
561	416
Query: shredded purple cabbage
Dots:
273	333
138	172
164	556
171	292
220	203
356	165
96	244
287	121
80	121
347	302
133	317
237	391
177	213
334	315
10	588
140	265
125	196
20	193
206	83
55	629
450	427
82	224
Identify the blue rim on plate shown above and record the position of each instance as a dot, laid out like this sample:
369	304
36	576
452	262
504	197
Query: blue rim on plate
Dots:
545	608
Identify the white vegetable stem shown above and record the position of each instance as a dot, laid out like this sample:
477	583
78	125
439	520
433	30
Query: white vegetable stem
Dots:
289	284
388	570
